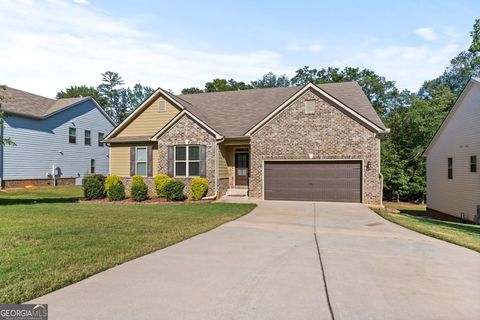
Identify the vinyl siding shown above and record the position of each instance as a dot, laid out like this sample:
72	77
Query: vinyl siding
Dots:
459	140
43	143
150	121
222	163
120	159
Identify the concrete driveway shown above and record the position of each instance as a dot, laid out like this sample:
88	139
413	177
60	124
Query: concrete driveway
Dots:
266	265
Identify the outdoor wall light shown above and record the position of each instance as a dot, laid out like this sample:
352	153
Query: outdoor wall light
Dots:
369	165
310	155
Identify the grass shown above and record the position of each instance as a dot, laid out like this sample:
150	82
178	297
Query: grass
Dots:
56	241
413	217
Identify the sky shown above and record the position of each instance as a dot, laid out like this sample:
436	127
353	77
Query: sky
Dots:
46	46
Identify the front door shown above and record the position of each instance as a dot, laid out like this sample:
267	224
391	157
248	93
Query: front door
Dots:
241	169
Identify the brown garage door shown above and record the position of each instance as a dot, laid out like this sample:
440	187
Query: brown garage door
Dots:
313	181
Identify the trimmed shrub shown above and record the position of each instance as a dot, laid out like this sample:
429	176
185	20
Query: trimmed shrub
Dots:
116	192
111	180
94	187
173	190
139	190
199	188
160	181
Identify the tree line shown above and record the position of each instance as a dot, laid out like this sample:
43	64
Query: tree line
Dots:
413	117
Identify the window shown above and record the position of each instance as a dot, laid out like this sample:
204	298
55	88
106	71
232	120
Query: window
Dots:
473	163
187	161
88	137
309	106
450	168
92	166
162	106
141	161
100	138
72	135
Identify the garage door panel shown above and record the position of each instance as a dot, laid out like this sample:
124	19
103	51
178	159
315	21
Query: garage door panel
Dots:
313	181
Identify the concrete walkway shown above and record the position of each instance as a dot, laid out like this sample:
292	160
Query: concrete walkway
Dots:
266	266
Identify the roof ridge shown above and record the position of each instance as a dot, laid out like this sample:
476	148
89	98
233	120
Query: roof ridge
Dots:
243	90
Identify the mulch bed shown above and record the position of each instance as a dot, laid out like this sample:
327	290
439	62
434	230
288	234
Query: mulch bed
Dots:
148	201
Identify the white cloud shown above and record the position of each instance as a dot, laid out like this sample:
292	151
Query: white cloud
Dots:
409	66
67	44
426	33
314	47
81	1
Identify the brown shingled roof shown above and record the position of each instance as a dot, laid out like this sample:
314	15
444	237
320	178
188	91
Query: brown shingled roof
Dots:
32	105
233	113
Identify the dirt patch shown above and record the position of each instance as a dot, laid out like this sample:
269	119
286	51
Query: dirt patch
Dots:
404	205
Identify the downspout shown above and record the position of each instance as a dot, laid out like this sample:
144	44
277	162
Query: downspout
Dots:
214	196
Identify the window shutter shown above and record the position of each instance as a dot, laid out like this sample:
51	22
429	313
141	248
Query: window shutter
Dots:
132	161
203	161
171	150
149	161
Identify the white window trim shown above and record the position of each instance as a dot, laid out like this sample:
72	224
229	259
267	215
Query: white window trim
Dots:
186	161
74	135
146	161
85	137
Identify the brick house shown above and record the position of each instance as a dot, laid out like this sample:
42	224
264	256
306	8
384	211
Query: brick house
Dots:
316	142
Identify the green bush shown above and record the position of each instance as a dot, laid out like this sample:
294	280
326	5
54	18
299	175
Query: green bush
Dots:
139	190
111	180
94	187
173	190
116	192
199	188
160	181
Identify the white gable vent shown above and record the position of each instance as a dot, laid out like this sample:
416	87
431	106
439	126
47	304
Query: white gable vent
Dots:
162	106
309	106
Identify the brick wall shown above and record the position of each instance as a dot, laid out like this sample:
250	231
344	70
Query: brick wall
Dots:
186	131
327	134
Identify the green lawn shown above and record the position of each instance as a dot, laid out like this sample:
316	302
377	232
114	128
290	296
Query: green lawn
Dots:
55	242
413	217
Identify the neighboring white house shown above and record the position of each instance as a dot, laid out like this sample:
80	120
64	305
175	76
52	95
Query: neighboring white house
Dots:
62	136
453	173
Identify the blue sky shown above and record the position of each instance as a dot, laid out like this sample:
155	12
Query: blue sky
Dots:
48	45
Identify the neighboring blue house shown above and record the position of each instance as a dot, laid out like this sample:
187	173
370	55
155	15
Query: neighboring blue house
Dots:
51	136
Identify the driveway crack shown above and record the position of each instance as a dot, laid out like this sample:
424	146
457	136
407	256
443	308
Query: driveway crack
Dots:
325	286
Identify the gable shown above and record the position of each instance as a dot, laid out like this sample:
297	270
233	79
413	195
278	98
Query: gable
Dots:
327	124
461	123
351	112
150	119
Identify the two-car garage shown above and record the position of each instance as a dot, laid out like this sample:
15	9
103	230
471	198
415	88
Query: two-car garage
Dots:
339	181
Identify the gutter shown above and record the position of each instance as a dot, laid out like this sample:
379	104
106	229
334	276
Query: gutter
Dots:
215	195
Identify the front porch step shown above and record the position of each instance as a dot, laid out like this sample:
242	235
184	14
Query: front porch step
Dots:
237	192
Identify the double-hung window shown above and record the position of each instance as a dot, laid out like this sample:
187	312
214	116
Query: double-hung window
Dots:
72	135
92	166
473	163
187	161
100	138
88	137
141	161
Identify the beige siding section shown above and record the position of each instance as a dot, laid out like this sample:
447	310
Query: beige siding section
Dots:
120	160
459	140
222	163
150	121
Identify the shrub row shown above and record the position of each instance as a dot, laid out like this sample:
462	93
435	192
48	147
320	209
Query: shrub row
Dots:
99	187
